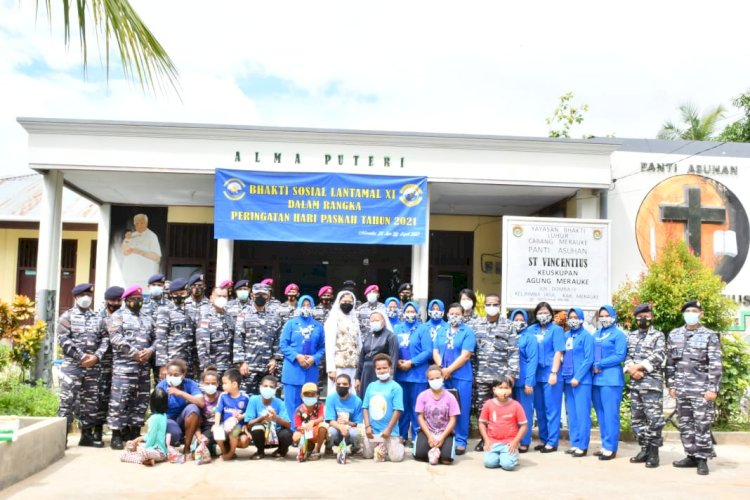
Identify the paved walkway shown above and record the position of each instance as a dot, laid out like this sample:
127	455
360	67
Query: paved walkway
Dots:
91	473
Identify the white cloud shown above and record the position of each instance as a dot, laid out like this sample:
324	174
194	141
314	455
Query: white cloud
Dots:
468	67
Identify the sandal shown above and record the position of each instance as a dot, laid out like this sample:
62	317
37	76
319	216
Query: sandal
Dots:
314	456
523	449
258	456
277	454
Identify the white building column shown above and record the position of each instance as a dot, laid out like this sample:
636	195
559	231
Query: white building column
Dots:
102	252
224	259
48	268
420	265
587	204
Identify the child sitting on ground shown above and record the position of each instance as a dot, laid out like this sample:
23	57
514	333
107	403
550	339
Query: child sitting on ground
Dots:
437	410
310	425
152	448
381	409
230	413
209	387
502	423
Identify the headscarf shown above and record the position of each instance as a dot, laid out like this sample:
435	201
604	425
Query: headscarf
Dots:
581	317
416	319
300	301
331	327
397	319
441	305
387	325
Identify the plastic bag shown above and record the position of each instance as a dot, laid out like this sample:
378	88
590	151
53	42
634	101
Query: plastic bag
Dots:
433	455
174	456
302	454
201	453
342	452
131	446
381	453
272	439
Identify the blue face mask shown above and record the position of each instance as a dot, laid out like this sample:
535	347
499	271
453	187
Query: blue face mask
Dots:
309	401
691	318
267	392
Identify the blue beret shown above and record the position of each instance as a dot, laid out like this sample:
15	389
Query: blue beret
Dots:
642	308
691	303
178	284
194	278
241	283
155	277
113	293
82	288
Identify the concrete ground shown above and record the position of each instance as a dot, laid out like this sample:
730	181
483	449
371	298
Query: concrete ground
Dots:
98	473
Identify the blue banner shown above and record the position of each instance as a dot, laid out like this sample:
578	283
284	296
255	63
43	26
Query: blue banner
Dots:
320	208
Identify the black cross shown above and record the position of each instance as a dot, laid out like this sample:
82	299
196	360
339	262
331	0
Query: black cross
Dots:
693	215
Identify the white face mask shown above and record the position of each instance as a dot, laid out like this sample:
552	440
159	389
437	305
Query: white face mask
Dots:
209	389
372	297
384	376
376	326
156	291
84	301
436	383
220	302
174	381
492	310
606	321
467	304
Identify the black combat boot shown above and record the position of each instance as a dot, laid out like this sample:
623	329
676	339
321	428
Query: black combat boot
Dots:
87	437
702	466
686	463
652	461
116	442
98	432
135	432
641	456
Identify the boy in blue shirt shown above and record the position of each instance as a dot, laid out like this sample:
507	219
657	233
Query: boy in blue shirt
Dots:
230	412
343	413
268	421
381	409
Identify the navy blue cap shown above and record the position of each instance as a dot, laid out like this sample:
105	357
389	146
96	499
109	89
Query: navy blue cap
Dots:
155	277
82	288
691	303
642	308
241	283
194	278
113	293
404	286
178	284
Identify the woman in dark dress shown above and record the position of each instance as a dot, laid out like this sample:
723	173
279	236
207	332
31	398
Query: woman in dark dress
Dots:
378	338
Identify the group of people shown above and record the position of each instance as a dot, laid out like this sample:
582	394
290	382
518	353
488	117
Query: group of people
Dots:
343	365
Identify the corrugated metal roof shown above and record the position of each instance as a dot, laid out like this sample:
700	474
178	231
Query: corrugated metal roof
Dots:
20	197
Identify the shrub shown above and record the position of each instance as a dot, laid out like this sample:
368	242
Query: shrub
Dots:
20	398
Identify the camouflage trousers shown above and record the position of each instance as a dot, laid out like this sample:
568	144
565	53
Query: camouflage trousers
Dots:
481	393
79	393
129	398
695	416
105	390
647	413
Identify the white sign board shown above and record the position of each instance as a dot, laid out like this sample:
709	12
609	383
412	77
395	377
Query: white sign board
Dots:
566	262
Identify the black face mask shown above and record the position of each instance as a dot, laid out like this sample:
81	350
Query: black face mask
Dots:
346	307
135	305
178	299
260	301
198	292
342	391
326	301
291	298
643	323
112	307
405	298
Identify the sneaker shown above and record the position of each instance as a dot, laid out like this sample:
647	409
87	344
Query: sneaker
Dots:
433	456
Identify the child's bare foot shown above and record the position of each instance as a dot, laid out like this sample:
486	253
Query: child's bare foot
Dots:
226	457
149	462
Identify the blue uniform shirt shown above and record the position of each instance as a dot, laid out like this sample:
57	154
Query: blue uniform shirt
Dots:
230	407
176	404
450	346
300	336
256	408
528	353
381	400
415	345
578	357
610	349
351	406
550	340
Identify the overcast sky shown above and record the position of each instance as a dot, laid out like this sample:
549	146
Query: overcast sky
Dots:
466	67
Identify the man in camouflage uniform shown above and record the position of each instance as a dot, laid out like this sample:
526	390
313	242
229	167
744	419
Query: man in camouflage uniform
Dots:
285	311
214	333
496	353
255	339
694	377
133	342
644	363
323	308
241	301
112	303
175	331
83	341
369	306
156	297
197	299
